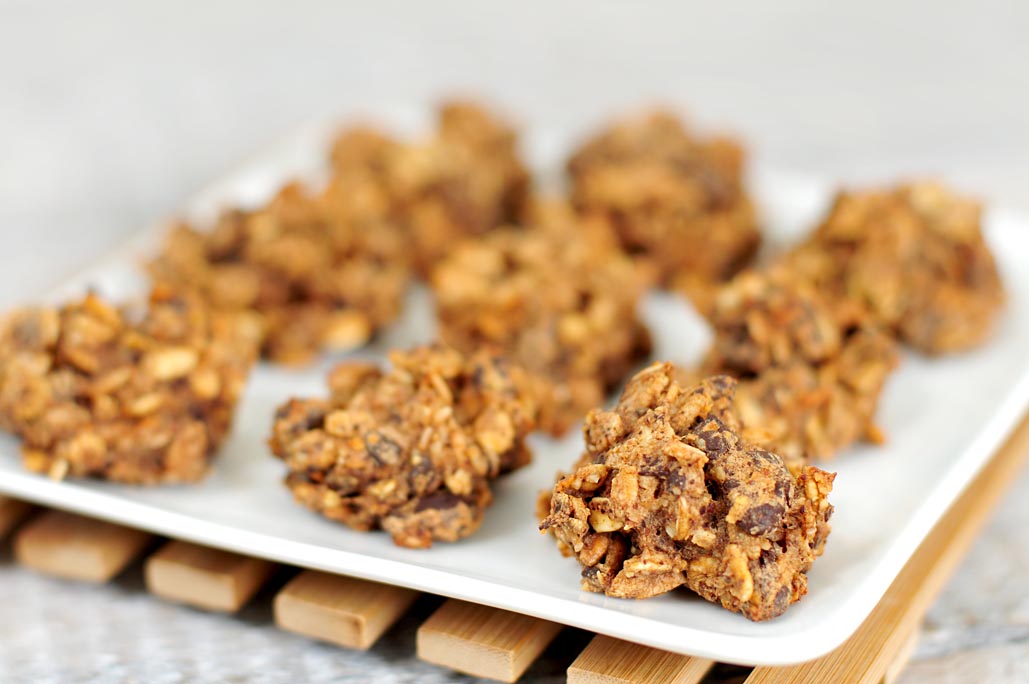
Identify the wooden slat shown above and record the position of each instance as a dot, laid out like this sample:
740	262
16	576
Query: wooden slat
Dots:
613	661
203	577
483	641
12	512
903	657
341	610
866	656
73	547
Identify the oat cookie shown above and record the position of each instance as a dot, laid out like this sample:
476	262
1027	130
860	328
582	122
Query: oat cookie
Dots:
411	449
914	256
811	370
94	391
465	180
324	270
668	494
559	302
674	199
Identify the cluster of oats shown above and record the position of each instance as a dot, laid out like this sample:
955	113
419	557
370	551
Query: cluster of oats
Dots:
675	200
558	299
668	494
811	370
141	398
411	449
323	271
463	181
914	258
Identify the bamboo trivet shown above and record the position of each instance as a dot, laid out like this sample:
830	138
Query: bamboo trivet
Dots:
12	512
613	661
901	660
203	577
341	610
483	641
74	547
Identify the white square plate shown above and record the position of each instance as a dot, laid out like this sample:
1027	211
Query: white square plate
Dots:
944	418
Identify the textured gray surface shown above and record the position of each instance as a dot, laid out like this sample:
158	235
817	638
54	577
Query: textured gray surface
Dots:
112	113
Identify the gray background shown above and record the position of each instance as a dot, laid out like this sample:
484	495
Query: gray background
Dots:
112	113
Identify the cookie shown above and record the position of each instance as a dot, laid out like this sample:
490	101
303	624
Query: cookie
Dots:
411	449
669	494
136	397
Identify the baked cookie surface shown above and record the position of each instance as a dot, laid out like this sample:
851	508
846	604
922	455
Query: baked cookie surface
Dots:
136	397
410	449
667	494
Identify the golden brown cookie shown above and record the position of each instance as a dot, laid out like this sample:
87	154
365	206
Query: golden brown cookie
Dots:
810	369
561	302
411	449
913	256
321	272
465	180
668	494
137	397
675	200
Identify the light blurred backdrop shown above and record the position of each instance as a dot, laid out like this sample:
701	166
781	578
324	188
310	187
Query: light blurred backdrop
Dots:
113	112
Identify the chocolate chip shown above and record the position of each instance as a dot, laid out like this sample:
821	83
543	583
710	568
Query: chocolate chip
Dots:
676	481
382	449
714	443
314	418
439	500
761	519
766	456
781	601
